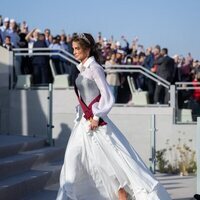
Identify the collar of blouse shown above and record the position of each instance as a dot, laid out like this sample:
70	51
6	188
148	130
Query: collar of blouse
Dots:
81	67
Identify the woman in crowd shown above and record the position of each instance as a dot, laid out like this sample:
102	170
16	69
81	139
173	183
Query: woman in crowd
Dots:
112	78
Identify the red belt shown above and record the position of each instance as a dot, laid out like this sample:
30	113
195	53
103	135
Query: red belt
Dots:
87	110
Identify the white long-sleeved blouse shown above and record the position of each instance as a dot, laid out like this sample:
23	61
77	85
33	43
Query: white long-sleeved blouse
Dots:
91	81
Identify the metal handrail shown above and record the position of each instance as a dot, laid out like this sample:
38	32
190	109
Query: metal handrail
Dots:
187	85
140	69
123	68
187	88
47	54
44	49
136	70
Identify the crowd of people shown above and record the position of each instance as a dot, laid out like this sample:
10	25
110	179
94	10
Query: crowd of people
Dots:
156	59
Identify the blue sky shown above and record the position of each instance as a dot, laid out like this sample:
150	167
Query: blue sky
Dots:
171	23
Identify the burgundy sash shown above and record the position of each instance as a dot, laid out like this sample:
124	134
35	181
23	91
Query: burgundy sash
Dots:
88	109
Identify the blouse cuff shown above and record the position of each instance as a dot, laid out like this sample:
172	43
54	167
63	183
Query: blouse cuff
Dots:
96	118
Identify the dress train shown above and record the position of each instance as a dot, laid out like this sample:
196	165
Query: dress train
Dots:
98	163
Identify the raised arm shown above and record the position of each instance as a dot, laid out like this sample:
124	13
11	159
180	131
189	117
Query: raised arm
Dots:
29	36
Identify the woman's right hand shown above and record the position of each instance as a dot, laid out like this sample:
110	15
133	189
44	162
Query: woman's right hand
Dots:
94	124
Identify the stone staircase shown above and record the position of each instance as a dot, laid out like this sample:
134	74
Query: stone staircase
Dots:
28	168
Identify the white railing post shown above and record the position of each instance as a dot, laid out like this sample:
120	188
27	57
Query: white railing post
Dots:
153	144
198	154
172	102
50	115
172	96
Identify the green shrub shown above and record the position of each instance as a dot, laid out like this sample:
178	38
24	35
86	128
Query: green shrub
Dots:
181	159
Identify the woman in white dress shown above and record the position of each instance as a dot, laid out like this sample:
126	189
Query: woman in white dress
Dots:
99	163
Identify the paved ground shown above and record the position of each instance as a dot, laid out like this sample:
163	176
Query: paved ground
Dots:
179	187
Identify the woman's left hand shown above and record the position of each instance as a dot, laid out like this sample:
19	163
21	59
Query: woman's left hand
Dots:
93	124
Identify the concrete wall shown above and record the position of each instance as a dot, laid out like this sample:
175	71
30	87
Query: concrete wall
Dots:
28	115
6	60
5	67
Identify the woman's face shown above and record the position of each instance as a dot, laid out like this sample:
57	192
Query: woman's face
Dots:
80	53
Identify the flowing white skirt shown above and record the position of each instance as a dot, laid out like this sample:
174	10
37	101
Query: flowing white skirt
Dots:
98	163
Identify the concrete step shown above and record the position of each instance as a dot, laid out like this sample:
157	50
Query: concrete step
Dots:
27	166
30	182
24	161
48	193
13	144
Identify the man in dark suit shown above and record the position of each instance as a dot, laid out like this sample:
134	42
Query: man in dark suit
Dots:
40	63
166	71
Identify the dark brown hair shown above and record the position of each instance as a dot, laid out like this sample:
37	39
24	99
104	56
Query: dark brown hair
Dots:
86	41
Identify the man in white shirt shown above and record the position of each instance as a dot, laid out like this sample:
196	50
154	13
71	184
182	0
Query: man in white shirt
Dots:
5	28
